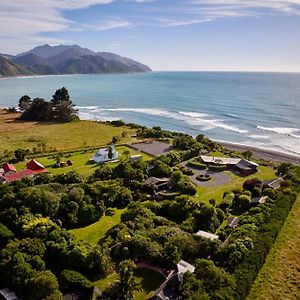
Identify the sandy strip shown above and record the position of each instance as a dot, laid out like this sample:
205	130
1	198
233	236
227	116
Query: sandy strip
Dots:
265	154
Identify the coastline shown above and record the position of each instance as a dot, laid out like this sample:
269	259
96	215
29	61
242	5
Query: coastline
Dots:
262	153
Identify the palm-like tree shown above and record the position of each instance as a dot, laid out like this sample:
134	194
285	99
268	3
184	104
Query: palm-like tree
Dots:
124	287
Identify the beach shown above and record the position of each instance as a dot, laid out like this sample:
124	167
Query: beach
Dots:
266	154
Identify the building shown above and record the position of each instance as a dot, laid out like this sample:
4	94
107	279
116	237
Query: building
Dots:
169	290
259	200
102	155
7	294
135	158
243	166
8	169
33	168
158	183
207	235
233	222
273	183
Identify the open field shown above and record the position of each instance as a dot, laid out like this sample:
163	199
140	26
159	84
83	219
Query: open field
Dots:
96	231
149	279
279	278
68	136
80	161
206	193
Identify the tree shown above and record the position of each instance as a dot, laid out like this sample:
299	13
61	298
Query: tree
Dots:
39	110
242	202
126	284
20	154
110	153
24	103
247	154
63	107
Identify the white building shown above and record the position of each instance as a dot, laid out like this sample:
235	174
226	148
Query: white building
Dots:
207	235
103	155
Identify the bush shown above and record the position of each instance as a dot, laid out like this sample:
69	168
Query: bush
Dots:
252	183
169	195
196	165
74	279
217	168
203	177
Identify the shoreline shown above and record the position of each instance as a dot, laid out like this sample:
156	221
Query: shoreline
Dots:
263	153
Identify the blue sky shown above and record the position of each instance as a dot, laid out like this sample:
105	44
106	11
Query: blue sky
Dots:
225	35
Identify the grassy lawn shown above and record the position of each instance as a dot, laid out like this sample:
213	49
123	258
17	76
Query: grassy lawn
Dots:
96	231
279	278
18	134
80	161
149	279
206	193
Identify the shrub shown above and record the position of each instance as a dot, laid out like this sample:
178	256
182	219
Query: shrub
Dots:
203	177
196	165
217	168
74	279
250	184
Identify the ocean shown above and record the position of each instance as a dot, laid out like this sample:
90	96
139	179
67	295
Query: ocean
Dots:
257	109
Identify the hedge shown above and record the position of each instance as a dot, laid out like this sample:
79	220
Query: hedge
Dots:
169	195
74	279
217	168
247	271
203	177
196	165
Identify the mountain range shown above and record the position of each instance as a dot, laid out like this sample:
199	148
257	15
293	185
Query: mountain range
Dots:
66	59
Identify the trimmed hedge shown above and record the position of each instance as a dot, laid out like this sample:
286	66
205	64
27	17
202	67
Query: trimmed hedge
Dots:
169	195
247	271
197	165
203	177
217	168
74	279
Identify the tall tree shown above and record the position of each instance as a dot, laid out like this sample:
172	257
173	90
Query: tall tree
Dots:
63	107
126	284
24	103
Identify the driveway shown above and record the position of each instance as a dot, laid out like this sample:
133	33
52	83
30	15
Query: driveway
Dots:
218	178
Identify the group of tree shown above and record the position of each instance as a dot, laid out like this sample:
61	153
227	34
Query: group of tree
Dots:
60	108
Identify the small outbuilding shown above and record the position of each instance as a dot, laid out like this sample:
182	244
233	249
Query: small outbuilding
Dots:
207	235
103	155
8	169
273	183
259	200
7	294
233	222
135	158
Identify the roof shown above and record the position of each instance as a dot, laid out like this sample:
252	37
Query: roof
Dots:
104	151
207	235
34	165
220	160
8	294
259	200
247	163
136	156
8	167
184	266
233	221
155	180
273	183
24	173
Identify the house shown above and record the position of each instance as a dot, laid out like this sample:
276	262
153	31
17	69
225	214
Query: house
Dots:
259	200
7	294
246	167
171	286
33	168
158	183
273	183
135	158
103	155
233	222
207	235
243	166
8	169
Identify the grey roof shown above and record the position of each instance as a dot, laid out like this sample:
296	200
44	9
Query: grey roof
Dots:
8	294
184	266
259	200
155	180
207	235
228	161
274	183
233	221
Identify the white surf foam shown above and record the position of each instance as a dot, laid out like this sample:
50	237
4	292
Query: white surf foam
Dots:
281	130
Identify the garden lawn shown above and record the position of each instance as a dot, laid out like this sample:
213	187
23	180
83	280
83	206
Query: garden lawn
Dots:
149	279
206	193
80	161
279	278
67	136
96	231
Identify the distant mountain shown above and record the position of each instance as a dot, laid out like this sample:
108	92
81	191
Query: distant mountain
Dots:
10	69
72	59
35	63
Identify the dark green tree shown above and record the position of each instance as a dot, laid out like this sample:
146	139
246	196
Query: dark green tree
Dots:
24	103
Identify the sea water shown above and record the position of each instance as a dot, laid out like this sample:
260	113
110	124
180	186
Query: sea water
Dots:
257	109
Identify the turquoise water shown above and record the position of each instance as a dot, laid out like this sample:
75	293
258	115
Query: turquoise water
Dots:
260	109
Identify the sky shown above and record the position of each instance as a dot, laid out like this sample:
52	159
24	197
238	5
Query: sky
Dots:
170	35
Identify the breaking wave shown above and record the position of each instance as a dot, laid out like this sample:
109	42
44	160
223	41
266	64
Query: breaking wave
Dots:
281	130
